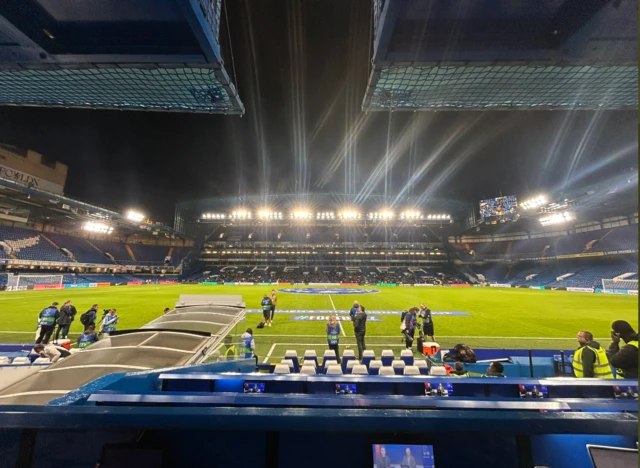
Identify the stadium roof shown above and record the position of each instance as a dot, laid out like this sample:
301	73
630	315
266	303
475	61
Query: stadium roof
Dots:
23	204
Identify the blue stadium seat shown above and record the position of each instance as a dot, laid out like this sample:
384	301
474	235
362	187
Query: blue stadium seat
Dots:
293	356
374	367
407	356
347	356
367	357
387	357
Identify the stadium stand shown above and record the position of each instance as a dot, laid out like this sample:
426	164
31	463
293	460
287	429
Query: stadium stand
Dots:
29	245
80	248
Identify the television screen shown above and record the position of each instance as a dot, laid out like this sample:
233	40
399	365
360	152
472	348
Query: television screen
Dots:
533	391
624	393
612	457
403	456
253	387
501	206
345	389
443	390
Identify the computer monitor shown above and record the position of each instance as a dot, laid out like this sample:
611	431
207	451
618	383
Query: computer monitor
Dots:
253	387
346	389
403	455
612	457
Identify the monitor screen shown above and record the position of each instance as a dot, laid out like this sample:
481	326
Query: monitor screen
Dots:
438	389
253	387
625	392
612	457
401	456
345	389
501	206
533	391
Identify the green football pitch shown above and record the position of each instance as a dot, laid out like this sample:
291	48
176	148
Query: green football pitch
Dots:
497	317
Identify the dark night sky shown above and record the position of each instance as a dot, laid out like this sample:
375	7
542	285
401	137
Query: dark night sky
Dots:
151	160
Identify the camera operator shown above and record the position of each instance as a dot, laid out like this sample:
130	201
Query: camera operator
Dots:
109	321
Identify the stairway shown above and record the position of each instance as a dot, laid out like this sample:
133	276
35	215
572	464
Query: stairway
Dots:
104	254
73	258
130	252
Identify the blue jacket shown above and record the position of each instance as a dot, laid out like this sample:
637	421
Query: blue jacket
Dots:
87	339
109	323
353	312
333	334
48	316
266	304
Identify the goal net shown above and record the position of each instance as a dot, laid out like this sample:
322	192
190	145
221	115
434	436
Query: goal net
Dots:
30	280
629	285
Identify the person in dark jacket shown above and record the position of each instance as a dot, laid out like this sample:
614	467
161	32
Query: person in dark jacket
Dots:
89	318
360	330
427	322
624	359
47	322
590	360
383	460
410	326
67	316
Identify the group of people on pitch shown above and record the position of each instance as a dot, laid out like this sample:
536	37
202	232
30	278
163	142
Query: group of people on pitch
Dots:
51	318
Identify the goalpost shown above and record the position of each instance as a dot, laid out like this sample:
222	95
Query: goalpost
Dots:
14	281
625	284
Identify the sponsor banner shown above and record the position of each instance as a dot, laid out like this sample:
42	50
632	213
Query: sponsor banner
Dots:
465	285
324	284
284	284
103	285
350	284
48	286
405	285
28	180
325	318
633	292
616	252
385	284
499	285
589	290
422	284
93	285
168	282
327	312
230	284
16	288
134	283
264	284
328	291
211	283
615	291
244	283
536	287
78	285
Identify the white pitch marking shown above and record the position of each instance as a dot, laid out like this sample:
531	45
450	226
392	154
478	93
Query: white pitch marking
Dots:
266	359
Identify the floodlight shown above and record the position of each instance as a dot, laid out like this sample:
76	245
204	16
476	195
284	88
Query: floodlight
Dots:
534	202
349	214
557	218
241	214
135	216
410	215
301	214
97	227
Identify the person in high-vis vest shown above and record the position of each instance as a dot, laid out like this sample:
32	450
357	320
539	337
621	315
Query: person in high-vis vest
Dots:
230	354
88	337
47	322
248	345
624	359
110	321
590	360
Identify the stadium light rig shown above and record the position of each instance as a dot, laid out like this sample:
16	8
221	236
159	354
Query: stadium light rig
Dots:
384	215
213	216
535	202
347	215
241	214
406	215
97	227
326	215
135	216
557	218
438	217
301	214
266	214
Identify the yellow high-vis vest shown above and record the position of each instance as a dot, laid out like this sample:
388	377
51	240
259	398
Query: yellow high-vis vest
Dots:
601	367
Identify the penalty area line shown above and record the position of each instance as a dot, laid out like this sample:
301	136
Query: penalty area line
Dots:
266	359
